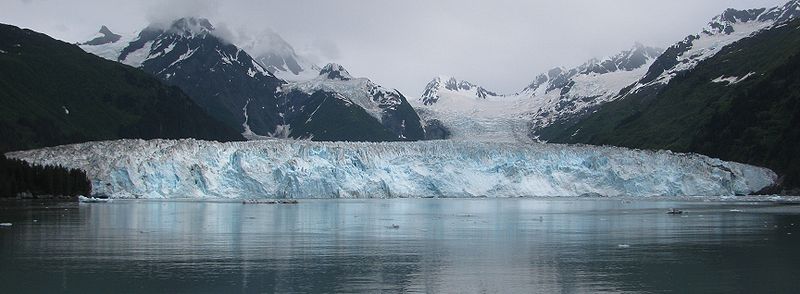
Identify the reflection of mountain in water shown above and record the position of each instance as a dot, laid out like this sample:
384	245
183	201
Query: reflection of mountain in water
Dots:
507	245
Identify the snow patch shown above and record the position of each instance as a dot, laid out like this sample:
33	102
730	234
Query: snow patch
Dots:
732	80
138	57
373	98
189	52
111	51
166	51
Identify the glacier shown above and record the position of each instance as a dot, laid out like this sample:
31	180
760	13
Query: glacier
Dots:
302	169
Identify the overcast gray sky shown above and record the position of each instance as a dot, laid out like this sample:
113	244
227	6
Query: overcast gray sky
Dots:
501	44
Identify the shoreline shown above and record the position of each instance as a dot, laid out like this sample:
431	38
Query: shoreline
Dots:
788	200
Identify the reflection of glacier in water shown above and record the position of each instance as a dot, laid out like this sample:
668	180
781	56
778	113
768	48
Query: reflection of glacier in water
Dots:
266	169
441	246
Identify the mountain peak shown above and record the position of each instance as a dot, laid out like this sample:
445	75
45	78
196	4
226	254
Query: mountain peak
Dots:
451	84
191	26
104	36
724	22
638	56
628	60
335	71
279	57
686	54
105	31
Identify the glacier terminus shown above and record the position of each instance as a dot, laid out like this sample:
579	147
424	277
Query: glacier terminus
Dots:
172	169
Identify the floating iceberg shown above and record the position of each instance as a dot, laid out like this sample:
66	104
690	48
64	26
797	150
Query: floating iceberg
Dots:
301	169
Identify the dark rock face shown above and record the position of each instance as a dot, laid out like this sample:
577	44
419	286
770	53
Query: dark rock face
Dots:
322	116
239	91
400	119
335	72
435	130
787	12
219	77
106	37
391	112
668	60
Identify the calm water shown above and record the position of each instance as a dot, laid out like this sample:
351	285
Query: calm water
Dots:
458	246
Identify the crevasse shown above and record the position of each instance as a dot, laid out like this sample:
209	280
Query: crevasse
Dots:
302	169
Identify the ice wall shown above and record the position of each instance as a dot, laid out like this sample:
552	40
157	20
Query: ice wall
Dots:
295	169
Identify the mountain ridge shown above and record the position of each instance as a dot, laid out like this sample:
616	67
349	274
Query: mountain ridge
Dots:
54	93
741	104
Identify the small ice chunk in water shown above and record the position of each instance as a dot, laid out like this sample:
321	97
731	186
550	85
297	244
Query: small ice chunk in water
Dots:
623	246
5	224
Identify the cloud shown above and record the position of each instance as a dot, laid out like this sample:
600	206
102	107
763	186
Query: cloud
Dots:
326	48
164	12
500	44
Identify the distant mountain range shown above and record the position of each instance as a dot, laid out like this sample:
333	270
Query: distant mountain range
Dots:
561	95
54	93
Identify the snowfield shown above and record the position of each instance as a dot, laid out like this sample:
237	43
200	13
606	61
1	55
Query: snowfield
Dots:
299	169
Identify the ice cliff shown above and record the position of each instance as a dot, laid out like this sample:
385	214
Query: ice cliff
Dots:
299	169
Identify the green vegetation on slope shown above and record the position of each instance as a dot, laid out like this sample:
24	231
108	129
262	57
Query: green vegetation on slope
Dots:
753	121
53	93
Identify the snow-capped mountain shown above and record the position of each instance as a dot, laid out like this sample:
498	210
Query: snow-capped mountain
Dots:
562	95
470	112
220	77
739	105
287	169
387	106
450	86
243	92
280	58
723	30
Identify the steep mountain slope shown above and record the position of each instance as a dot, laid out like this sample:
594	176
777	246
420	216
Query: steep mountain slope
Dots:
382	113
725	29
742	104
53	93
219	76
562	96
242	92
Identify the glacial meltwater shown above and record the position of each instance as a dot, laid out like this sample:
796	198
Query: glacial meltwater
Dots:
401	245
